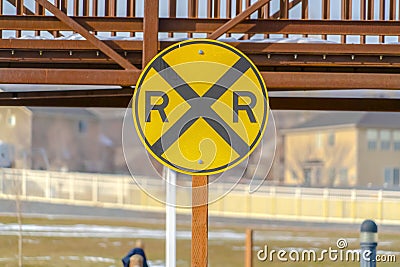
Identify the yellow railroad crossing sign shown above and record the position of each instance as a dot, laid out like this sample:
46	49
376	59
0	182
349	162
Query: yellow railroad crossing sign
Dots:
200	107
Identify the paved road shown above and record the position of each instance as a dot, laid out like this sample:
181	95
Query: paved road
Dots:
69	211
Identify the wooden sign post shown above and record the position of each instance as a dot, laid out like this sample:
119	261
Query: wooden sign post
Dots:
199	221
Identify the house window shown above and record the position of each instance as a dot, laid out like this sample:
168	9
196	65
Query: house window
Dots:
396	177
372	137
388	176
331	139
307	176
396	140
82	126
332	175
343	176
392	176
385	139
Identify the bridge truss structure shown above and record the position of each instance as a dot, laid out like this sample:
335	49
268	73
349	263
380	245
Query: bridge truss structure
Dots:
298	45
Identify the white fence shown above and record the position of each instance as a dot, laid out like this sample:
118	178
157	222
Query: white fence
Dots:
293	203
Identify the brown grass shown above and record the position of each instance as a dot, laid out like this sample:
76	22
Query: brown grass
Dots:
221	253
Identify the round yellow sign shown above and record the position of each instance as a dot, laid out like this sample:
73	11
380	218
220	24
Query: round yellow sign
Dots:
200	107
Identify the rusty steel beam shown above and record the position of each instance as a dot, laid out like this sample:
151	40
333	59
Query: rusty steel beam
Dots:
121	97
335	104
246	47
283	62
201	25
275	81
280	81
89	59
150	30
85	33
68	76
239	18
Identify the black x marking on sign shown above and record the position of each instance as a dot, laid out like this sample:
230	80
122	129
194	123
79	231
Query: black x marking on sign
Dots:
202	108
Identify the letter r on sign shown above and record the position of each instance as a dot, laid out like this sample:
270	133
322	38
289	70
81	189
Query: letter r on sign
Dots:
160	107
247	107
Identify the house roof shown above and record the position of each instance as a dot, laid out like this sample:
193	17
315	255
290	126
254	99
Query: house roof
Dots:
357	119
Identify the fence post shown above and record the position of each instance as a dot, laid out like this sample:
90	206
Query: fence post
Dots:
2	182
71	188
95	189
120	191
272	193
47	186
368	242
353	204
326	204
298	202
23	184
380	205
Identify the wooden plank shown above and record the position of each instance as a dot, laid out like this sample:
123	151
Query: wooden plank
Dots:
239	18
249	248
199	251
91	38
150	31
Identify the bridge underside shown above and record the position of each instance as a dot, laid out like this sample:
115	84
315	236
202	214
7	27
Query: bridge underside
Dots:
292	54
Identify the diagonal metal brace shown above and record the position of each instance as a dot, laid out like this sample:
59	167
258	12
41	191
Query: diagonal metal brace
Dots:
239	18
75	26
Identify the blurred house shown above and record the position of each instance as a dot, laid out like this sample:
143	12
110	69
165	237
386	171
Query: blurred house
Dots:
344	149
63	139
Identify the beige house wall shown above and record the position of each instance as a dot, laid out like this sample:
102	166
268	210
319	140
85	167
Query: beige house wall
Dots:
16	125
66	148
310	148
372	164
